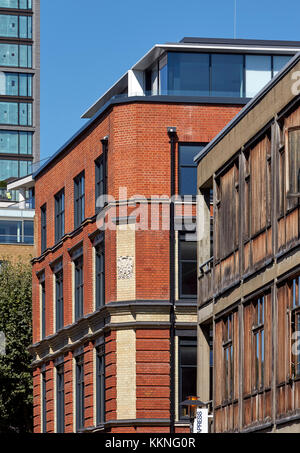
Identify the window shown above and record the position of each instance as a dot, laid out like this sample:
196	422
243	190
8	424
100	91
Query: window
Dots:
14	84
79	200
228	358
293	185
43	310
100	389
279	61
79	392
100	277
15	55
220	75
60	399
16	113
100	182
44	402
16	26
295	320
163	75
16	4
59	215
188	168
59	293
227	75
17	232
258	73
28	232
13	142
258	344
187	267
43	228
14	168
78	288
188	74
187	371
227	212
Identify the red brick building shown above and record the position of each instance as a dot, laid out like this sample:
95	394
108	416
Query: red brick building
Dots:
115	311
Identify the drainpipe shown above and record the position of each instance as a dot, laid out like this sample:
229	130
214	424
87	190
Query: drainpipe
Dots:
173	139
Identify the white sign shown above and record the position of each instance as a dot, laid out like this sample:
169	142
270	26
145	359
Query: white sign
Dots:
201	422
2	344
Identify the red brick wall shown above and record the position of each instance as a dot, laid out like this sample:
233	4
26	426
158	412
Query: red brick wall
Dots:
69	403
37	394
110	376
139	159
153	373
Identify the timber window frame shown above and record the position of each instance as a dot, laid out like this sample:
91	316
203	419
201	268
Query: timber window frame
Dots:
258	344
228	358
293	162
227	213
295	326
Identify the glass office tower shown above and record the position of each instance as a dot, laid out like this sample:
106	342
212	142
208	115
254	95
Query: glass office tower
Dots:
19	91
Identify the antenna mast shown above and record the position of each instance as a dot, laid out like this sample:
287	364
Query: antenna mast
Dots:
235	15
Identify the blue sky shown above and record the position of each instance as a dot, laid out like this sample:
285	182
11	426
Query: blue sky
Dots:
86	45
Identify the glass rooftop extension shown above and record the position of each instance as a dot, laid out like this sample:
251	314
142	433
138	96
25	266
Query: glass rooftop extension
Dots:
212	74
205	69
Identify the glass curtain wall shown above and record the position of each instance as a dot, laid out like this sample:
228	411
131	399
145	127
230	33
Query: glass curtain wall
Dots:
216	75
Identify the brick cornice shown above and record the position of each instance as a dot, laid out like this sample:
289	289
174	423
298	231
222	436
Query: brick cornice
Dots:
114	316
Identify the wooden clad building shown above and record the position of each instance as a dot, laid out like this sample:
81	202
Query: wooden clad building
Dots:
249	284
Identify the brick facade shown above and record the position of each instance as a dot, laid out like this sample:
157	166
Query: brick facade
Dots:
136	312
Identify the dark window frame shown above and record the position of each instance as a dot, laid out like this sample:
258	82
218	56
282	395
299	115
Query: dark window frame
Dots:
189	342
60	399
79	199
43	310
8	8
29	47
80	412
44	228
100	275
210	70
29	36
100	385
19	237
79	287
181	261
44	401
100	178
180	166
29	113
59	299
59	215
